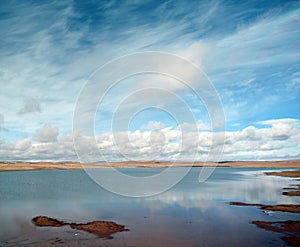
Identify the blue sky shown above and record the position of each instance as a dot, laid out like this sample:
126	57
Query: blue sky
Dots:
248	49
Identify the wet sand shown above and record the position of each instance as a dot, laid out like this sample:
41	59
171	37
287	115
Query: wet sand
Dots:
103	229
24	166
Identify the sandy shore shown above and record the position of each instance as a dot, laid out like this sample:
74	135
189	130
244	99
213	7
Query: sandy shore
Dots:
22	166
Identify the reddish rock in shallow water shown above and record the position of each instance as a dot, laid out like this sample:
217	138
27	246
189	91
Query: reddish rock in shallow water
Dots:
290	208
47	221
292	193
290	228
103	229
292	174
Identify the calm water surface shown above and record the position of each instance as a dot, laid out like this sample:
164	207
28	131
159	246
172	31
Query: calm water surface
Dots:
189	214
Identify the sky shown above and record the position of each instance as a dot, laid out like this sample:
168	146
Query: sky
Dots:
247	50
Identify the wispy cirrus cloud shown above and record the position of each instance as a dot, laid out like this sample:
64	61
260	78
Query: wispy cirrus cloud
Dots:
48	49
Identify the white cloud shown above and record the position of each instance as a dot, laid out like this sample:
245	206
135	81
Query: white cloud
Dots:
47	59
2	128
282	129
288	121
152	125
30	69
31	105
198	53
199	126
46	134
251	143
17	146
250	47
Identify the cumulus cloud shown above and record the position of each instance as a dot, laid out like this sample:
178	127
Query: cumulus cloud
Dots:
20	145
152	125
282	129
46	134
200	125
250	143
31	105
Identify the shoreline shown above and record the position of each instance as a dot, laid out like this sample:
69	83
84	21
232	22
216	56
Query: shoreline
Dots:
289	228
33	166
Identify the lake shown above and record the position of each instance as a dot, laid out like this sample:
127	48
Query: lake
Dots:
189	214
